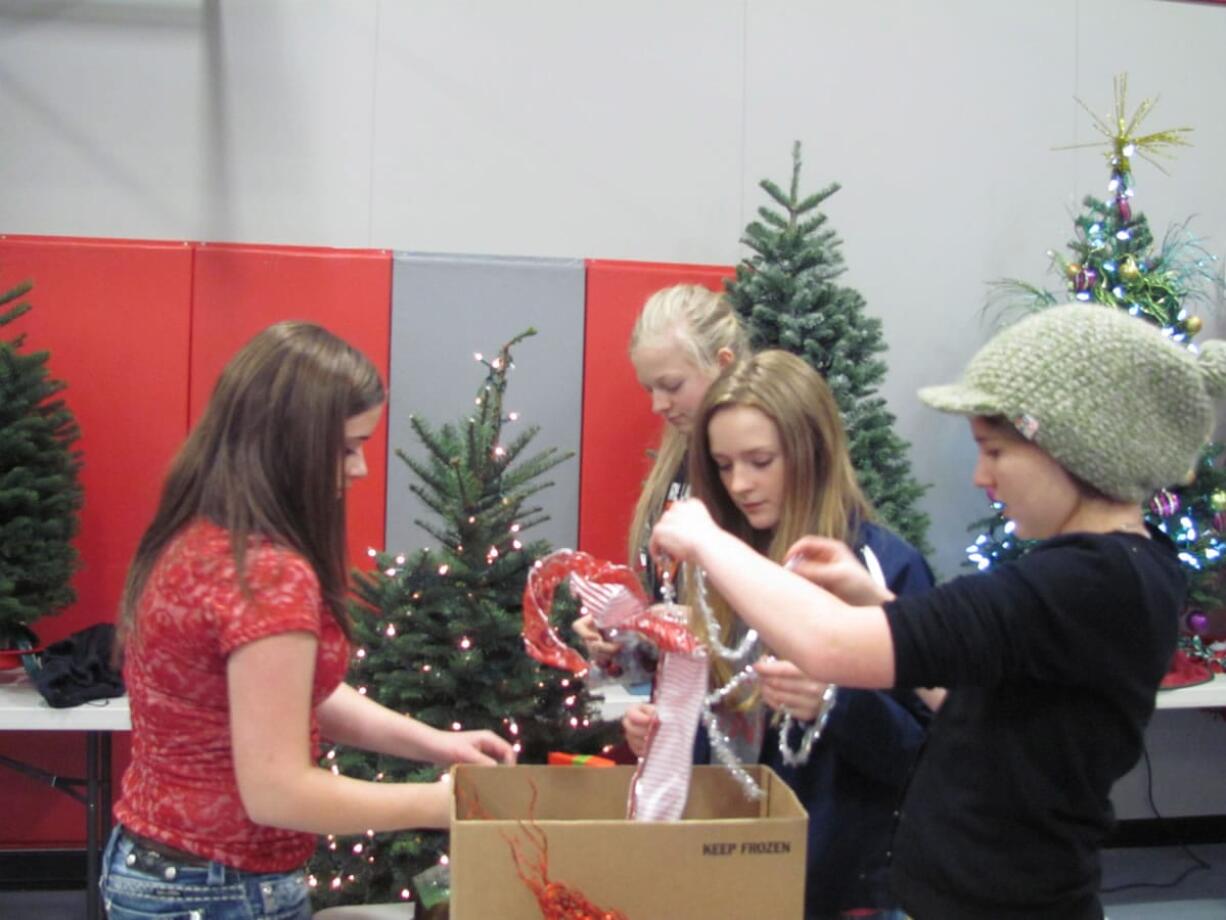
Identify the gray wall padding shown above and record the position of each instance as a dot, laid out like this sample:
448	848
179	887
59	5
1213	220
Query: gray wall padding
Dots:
444	309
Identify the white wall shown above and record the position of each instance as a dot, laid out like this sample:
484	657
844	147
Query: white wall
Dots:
617	130
634	129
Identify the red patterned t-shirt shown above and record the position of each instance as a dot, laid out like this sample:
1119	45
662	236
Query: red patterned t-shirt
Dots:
180	788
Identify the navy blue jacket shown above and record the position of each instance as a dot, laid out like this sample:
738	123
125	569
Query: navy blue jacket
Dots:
853	782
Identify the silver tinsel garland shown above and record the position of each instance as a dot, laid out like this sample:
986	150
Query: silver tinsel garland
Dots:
721	745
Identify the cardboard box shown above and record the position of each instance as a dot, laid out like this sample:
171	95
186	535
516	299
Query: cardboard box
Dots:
728	857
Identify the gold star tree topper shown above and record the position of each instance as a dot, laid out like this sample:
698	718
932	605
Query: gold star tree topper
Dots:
1121	132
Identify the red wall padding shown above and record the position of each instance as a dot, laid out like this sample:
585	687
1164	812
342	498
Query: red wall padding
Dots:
140	331
114	317
239	290
618	427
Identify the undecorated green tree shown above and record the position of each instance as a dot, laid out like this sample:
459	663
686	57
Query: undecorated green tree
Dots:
788	295
40	488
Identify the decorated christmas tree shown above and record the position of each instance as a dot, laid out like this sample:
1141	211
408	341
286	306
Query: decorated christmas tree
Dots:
438	634
787	295
40	490
1115	260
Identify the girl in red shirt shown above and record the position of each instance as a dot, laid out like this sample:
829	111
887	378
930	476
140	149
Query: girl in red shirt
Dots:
235	643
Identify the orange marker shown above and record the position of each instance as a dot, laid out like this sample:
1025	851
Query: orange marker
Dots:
562	759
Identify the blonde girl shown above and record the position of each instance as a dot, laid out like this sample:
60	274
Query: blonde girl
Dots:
769	459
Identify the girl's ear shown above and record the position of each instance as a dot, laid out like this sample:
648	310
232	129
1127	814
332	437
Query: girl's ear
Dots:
724	357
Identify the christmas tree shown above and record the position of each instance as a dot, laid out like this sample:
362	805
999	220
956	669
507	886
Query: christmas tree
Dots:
787	296
438	634
40	490
1114	260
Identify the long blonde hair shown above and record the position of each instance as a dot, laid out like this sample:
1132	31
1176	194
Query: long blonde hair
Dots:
703	323
266	456
820	494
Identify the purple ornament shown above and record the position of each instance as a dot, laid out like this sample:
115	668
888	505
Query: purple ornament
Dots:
1198	622
1219	521
1125	209
1164	503
1085	279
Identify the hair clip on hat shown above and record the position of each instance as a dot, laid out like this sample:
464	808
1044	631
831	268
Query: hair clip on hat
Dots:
1027	426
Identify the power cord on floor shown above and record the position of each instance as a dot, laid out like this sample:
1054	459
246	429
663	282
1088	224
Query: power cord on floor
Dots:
1198	864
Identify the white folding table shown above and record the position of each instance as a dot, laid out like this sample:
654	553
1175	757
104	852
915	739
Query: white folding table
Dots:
22	708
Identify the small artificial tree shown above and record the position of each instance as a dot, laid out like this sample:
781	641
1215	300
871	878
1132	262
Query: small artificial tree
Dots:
1114	260
40	489
787	296
439	634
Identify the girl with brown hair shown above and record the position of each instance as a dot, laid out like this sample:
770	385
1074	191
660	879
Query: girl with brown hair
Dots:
235	647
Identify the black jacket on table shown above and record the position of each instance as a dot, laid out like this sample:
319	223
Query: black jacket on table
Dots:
1053	663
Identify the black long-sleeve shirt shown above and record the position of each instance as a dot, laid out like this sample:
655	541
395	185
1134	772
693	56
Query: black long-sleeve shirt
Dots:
1052	663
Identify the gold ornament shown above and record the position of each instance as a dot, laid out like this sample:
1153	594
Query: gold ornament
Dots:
1129	270
1218	500
1072	269
1194	325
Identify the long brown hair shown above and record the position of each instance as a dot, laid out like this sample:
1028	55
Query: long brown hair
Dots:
821	493
702	322
266	457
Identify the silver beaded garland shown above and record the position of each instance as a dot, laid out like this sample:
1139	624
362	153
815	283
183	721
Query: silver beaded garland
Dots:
721	745
713	629
722	748
813	731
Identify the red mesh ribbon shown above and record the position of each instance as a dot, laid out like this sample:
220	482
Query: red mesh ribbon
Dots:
540	638
610	593
613	597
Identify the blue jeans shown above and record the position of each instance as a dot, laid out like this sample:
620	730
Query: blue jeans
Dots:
139	885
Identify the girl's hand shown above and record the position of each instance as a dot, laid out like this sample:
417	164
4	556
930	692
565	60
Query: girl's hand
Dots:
680	531
600	651
832	565
479	747
786	688
636	723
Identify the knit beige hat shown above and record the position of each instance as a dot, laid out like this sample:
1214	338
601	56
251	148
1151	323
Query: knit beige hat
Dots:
1110	397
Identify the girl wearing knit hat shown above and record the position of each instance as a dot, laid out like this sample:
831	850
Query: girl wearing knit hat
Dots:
1052	662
